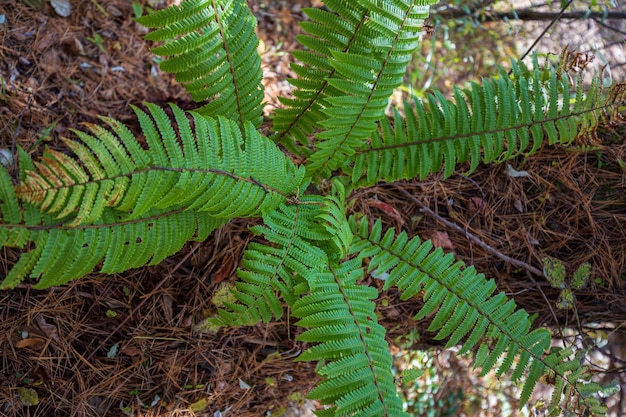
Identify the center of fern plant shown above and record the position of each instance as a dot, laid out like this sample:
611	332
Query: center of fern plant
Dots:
115	204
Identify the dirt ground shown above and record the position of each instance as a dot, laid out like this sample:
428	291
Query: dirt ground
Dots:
125	344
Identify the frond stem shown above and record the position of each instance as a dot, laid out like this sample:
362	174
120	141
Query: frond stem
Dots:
61	226
251	180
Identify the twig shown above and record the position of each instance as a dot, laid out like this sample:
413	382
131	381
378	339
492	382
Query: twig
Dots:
556	319
528	15
609	27
470	236
554	20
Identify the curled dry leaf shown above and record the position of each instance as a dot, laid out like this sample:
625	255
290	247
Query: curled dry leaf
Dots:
31	342
477	205
48	329
387	208
441	239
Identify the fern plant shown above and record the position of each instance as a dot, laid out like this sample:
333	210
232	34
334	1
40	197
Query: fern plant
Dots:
116	203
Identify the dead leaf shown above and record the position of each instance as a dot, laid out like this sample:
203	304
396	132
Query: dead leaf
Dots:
130	350
167	303
112	353
387	208
441	239
49	330
513	173
225	270
477	205
243	384
62	7
198	405
30	342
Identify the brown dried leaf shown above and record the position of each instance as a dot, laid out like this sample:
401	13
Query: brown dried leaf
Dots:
441	239
130	350
49	330
167	303
387	208
225	270
477	205
30	342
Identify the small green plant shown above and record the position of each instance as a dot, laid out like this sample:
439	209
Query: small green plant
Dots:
97	40
555	273
116	202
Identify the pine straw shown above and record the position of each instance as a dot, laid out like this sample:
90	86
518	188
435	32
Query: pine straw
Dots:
59	341
56	341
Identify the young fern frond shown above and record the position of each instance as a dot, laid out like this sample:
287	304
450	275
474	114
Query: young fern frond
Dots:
365	83
492	122
216	168
303	237
211	47
276	269
342	29
356	363
465	307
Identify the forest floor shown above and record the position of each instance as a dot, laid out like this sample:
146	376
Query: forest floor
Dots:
126	344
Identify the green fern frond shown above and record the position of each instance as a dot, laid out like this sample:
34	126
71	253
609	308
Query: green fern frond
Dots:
275	269
120	244
302	238
350	343
347	41
10	213
365	83
341	29
216	167
211	47
464	306
495	121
